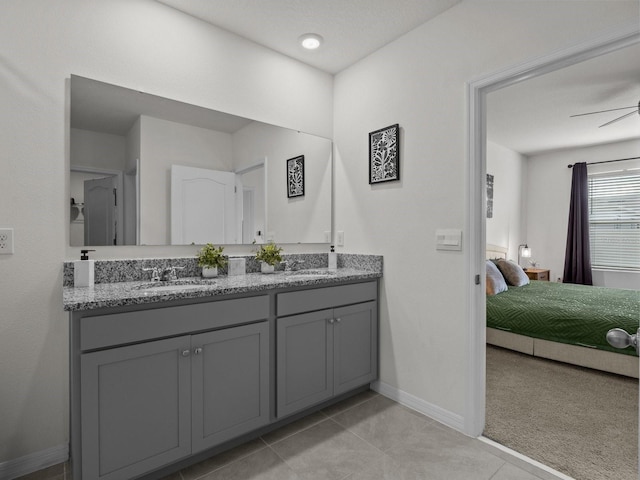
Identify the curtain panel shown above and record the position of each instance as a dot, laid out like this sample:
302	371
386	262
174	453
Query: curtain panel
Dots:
577	259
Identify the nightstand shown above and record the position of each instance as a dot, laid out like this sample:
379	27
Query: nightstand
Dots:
537	274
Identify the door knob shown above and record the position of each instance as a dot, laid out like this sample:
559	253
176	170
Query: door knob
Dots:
186	353
619	338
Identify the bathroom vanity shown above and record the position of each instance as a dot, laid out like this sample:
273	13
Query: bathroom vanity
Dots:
162	377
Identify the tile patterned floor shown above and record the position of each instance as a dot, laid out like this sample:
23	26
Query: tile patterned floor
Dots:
366	437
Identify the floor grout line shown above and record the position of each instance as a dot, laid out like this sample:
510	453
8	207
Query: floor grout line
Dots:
298	431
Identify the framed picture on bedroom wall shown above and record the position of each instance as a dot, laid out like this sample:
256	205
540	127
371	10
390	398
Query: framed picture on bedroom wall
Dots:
489	195
384	155
295	177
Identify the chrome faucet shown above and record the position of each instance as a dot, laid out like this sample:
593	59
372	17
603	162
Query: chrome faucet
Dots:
155	273
170	274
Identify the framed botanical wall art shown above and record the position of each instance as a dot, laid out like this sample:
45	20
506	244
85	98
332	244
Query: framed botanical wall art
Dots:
384	155
295	177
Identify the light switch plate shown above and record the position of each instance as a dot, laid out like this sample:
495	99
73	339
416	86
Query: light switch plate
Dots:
340	238
449	239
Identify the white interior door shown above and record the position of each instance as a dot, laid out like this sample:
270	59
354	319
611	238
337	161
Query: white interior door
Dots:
203	207
100	216
239	207
248	224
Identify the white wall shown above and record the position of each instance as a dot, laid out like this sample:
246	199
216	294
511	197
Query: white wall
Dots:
131	185
134	43
419	82
302	219
549	181
506	228
163	144
96	149
91	150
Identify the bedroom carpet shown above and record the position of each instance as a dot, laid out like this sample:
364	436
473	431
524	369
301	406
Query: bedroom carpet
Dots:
582	422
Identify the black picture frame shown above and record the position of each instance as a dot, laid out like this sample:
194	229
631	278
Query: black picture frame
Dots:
384	154
489	195
295	177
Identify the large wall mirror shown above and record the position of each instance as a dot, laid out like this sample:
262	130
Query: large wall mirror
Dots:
146	170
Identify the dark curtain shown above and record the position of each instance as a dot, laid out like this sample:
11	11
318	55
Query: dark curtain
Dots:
577	258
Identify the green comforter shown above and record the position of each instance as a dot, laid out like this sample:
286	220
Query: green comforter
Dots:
565	313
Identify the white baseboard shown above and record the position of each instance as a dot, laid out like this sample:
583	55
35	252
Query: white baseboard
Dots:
439	414
522	461
34	462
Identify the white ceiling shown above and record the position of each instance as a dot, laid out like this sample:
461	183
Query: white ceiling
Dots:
529	117
352	29
106	108
534	116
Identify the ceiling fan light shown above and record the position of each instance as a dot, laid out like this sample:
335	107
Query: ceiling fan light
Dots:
310	41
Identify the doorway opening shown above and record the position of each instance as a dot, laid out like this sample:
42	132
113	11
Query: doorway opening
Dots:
477	97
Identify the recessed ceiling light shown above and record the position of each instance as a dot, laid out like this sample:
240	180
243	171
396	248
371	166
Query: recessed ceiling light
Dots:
310	41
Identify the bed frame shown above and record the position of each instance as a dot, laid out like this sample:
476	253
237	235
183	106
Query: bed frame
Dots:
605	361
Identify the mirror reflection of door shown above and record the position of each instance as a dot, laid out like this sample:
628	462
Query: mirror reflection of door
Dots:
203	206
100	215
248	228
254	204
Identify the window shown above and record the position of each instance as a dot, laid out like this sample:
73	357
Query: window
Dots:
614	220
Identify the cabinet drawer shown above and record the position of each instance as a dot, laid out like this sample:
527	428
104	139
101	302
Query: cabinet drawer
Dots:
328	297
538	274
543	276
119	328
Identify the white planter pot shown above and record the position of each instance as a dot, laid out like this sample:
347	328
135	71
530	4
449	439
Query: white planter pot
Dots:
209	272
266	268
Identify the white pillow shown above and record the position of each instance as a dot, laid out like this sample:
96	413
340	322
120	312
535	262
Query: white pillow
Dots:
495	280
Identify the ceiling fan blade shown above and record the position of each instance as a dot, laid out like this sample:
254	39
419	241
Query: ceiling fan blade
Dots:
618	119
602	111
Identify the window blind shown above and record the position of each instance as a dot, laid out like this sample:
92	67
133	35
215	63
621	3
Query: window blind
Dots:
614	221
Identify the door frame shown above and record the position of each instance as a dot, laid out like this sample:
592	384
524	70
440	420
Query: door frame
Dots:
119	187
477	91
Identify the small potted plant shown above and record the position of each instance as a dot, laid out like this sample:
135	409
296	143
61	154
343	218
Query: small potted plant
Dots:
269	255
210	259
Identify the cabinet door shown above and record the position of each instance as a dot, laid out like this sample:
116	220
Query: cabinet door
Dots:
230	381
136	404
355	346
304	361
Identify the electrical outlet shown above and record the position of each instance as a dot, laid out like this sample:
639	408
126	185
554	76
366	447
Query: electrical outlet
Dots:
327	236
340	238
6	241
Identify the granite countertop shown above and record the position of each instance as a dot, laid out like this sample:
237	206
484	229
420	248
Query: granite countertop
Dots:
119	294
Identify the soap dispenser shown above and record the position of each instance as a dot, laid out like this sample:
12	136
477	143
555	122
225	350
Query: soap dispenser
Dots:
83	270
333	259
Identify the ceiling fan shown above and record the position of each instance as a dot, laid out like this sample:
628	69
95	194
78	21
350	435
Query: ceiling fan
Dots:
636	107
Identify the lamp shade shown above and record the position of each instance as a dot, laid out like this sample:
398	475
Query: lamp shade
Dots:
526	252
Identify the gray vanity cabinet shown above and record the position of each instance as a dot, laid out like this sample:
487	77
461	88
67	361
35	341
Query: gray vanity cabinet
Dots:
327	352
148	404
136	413
230	383
304	361
153	386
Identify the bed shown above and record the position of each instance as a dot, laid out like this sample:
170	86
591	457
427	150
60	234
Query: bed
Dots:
564	322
